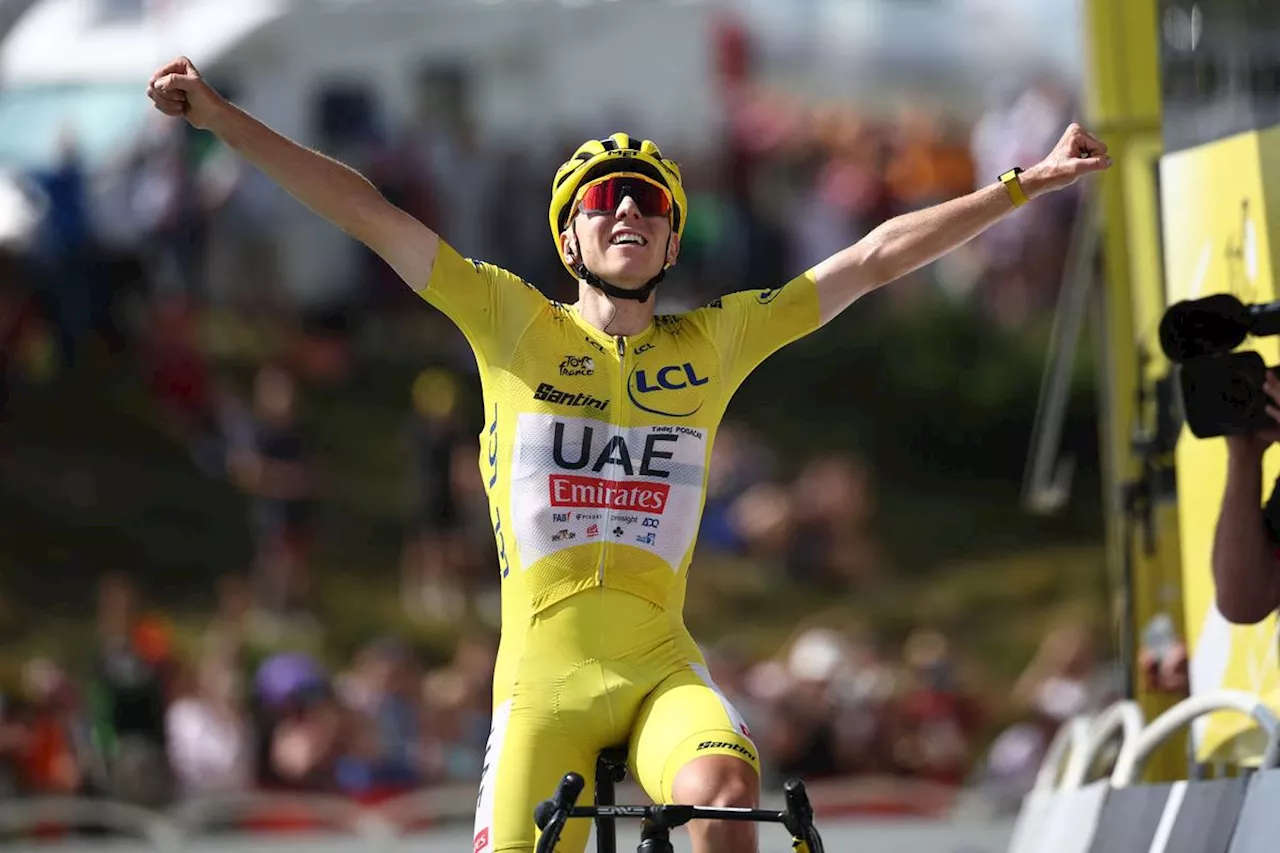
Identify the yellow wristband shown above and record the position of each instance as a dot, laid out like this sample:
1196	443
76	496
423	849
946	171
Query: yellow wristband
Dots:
1013	184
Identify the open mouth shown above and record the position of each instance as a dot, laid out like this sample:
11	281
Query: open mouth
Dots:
628	239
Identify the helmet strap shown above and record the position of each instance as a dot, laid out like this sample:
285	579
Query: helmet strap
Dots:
639	294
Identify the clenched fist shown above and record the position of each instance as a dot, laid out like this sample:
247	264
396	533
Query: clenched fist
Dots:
178	90
1077	153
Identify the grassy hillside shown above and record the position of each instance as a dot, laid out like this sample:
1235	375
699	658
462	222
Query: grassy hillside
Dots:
941	404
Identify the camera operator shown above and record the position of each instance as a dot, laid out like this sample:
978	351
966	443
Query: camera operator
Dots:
1246	544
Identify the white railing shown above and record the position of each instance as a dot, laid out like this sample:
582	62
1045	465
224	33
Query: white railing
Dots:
1133	756
1124	718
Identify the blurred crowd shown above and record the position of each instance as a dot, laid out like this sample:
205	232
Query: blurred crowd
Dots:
128	263
235	710
135	251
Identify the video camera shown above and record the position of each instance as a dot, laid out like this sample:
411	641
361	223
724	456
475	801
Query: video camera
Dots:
1221	390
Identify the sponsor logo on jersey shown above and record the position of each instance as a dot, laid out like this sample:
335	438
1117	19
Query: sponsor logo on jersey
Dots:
577	365
548	393
672	377
724	744
563	535
643	348
681	379
764	297
629	459
606	482
647	538
575	491
481	840
599	346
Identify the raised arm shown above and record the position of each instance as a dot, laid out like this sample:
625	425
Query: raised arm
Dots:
333	191
906	243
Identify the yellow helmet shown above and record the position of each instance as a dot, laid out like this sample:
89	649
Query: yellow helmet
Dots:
596	158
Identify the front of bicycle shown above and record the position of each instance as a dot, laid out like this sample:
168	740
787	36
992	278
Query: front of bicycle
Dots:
656	822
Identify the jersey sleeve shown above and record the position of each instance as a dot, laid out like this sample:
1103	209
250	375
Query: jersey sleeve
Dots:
491	306
749	326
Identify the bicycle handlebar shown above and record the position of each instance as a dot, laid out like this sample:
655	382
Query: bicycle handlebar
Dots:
551	815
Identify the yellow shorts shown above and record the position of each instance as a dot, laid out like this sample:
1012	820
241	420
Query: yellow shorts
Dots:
601	668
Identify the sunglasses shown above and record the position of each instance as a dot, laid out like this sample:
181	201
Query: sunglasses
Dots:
605	194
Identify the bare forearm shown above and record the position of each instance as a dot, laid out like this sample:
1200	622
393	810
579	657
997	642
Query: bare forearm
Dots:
1245	572
908	242
905	243
332	190
913	240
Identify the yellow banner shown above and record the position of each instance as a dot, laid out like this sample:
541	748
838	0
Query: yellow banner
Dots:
1220	206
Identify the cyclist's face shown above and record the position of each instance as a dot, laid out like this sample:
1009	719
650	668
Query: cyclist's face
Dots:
623	246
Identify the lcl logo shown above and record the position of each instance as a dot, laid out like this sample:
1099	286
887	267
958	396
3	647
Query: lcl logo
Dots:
673	377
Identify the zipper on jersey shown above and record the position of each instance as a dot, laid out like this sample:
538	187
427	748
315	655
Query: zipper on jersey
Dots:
617	427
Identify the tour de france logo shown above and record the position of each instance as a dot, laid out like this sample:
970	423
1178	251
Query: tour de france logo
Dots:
577	365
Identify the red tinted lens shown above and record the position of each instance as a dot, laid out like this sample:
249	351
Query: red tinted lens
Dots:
605	197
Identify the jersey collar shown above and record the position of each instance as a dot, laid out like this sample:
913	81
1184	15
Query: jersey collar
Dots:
610	342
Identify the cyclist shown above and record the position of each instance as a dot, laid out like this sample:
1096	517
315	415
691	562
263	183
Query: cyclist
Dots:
600	418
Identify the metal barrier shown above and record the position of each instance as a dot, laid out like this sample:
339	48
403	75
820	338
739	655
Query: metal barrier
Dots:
183	829
25	816
1071	738
1124	718
1065	812
1132	760
318	809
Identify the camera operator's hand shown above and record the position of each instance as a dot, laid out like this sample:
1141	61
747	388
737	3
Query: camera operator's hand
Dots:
1255	443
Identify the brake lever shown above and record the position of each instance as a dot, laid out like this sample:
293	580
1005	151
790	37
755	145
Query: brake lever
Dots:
550	815
798	816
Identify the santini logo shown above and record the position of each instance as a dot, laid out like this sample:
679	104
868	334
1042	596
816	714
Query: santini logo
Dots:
550	394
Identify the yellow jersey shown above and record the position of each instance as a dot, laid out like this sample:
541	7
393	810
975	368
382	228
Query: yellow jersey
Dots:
596	447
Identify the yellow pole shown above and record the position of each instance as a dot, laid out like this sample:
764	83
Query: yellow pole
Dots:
1122	102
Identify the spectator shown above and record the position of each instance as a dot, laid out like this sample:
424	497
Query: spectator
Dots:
178	371
276	470
64	247
208	732
382	689
13	742
738	462
432	563
1063	679
301	727
46	740
805	744
168	204
934	721
830	540
132	676
457	698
